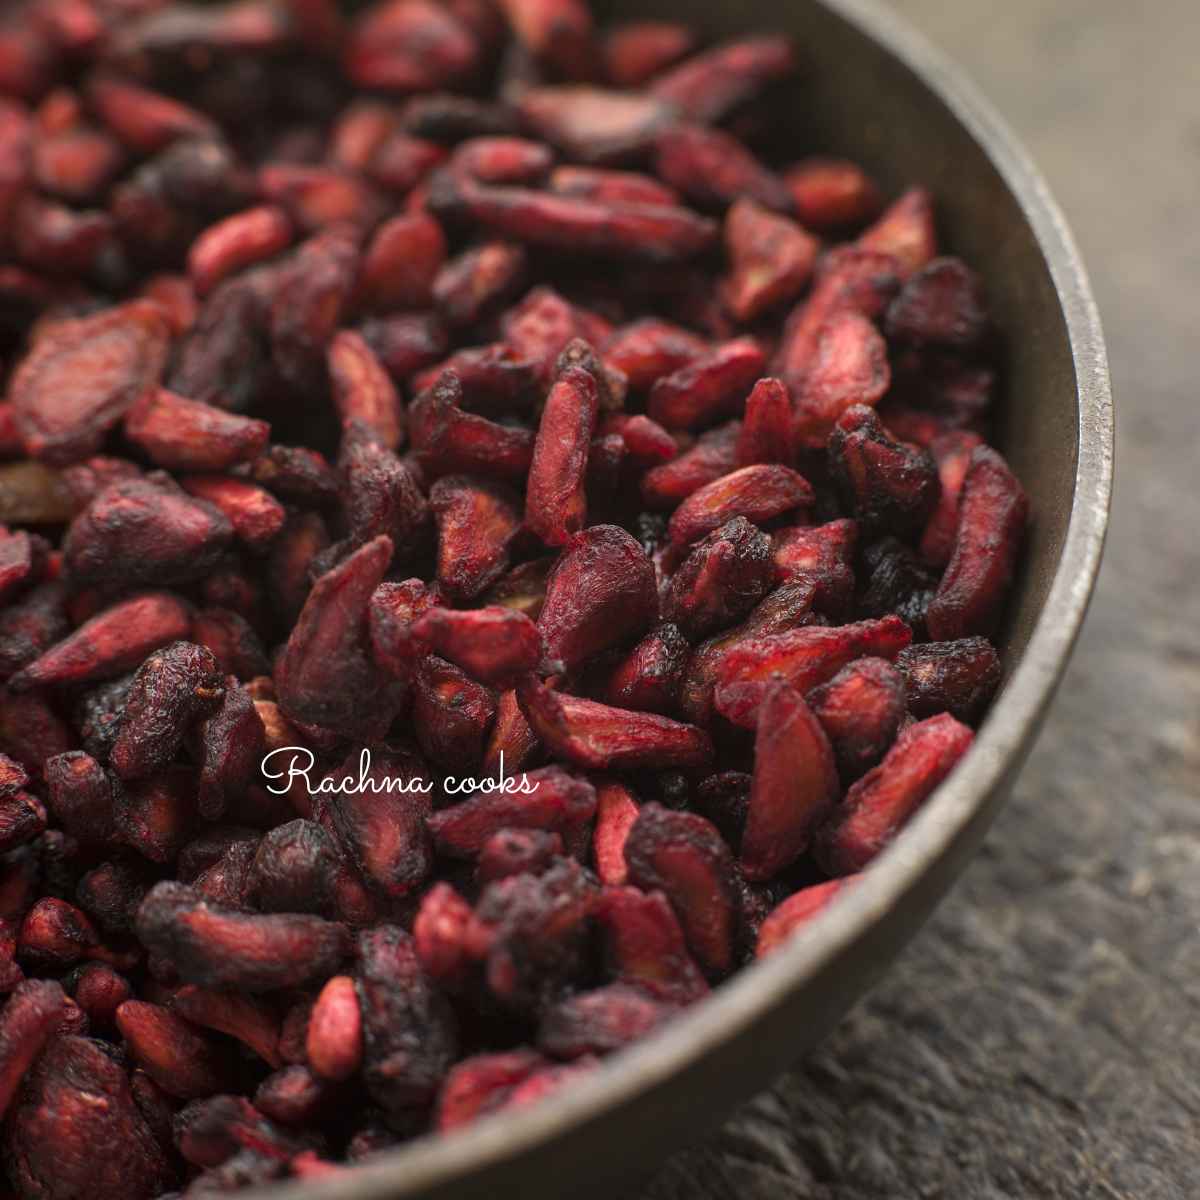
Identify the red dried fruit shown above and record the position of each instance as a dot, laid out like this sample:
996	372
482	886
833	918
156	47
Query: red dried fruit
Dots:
594	125
235	243
30	626
683	855
759	493
402	263
409	1038
600	594
555	502
111	642
861	709
439	931
479	280
408	46
649	349
942	305
600	737
510	737
849	367
713	169
823	555
326	675
713	455
173	688
795	913
557	32
334	1042
379	819
891	485
477	522
293	868
99	991
144	531
992	513
636	51
503	159
831	194
804	657
495	645
451	714
251	1021
475	1085
905	231
448	439
55	934
381	495
952	453
795	783
649	677
77	1098
616	811
600	1021
548	799
30	1017
958	677
771	259
82	375
517	852
219	947
709	387
294	1095
713	84
878	805
182	1061
608	186
648	232
186	435
232	641
363	390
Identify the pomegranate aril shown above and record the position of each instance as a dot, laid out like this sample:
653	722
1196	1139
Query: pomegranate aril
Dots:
794	913
958	677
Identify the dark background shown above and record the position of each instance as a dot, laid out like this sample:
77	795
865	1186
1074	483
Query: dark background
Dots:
1041	1038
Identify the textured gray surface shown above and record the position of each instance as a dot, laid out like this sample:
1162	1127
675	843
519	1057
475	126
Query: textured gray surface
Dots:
1042	1036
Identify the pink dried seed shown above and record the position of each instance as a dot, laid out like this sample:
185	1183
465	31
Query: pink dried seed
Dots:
79	795
723	577
55	934
76	165
213	1131
711	456
237	242
849	367
448	439
709	387
31	731
650	675
556	32
952	453
711	85
291	563
595	125
293	868
82	375
475	1085
616	811
713	169
649	349
392	610
109	643
251	1021
295	1096
646	232
29	1019
363	390
319	198
155	814
255	515
219	947
494	645
804	657
334	1042
822	555
878	805
831	194
600	1021
409	46
358	131
22	818
539	329
99	991
503	159
905	231
402	263
607	186
400	162
232	641
470	286
942	305
144	120
186	435
795	913
451	714
766	432
517	852
548	799
795	783
439	931
959	677
758	493
861	709
993	511
648	444
635	51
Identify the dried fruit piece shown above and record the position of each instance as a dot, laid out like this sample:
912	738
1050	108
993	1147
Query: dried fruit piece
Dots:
992	513
600	1021
363	390
860	709
30	1018
804	657
235	243
600	737
616	811
251	1021
334	1042
408	46
646	350
451	714
649	677
594	125
713	169
795	783
713	455
600	594
402	263
952	453
293	868
940	306
759	493
477	522
186	435
517	852
476	1085
713	84
707	388
557	32
635	51
480	279
218	947
82	375
495	645
958	677
607	186
832	194
683	855
824	556
795	913
905	231
183	1062
439	931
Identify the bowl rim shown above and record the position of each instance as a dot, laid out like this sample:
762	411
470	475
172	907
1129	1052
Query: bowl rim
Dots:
1008	732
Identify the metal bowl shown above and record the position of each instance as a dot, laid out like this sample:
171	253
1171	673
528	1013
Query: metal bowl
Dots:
874	91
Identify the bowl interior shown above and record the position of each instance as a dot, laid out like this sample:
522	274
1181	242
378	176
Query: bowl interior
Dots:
873	92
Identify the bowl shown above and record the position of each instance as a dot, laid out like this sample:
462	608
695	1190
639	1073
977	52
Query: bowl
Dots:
875	91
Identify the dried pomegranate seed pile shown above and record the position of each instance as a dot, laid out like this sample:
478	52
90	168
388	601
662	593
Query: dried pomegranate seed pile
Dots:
494	392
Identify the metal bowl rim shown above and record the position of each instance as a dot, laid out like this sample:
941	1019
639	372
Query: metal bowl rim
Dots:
1007	732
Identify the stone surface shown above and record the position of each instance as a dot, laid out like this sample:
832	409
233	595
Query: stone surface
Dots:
1041	1038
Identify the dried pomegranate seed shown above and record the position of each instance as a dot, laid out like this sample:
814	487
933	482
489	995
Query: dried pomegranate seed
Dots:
474	408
